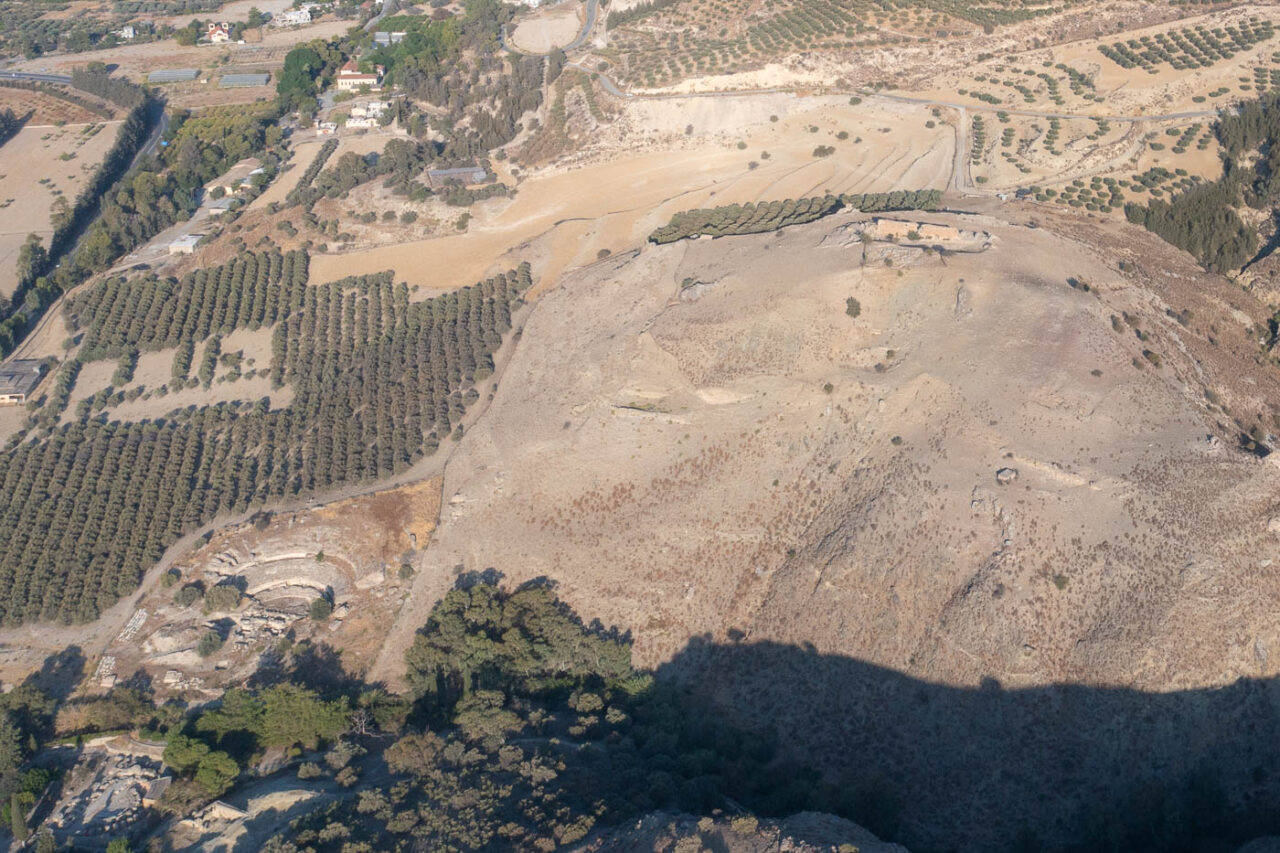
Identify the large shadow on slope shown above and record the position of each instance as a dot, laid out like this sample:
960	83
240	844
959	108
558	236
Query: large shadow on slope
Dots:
1062	767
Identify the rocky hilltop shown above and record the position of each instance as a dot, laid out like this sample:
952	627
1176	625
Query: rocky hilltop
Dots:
891	497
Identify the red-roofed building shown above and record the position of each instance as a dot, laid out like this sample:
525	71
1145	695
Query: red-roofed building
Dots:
350	77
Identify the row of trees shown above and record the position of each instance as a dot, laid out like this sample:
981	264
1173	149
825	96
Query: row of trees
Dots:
10	124
770	216
96	80
378	382
302	187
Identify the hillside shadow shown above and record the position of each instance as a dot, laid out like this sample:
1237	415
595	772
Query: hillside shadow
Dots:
1061	767
59	674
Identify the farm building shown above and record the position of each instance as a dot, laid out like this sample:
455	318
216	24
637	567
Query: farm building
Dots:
240	81
466	175
173	75
185	245
368	115
18	379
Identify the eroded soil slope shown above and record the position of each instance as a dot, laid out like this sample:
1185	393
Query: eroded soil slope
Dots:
699	439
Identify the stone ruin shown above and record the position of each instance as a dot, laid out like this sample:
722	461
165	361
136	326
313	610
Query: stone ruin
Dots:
115	803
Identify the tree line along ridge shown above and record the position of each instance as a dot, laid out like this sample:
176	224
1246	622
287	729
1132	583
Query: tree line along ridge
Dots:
735	219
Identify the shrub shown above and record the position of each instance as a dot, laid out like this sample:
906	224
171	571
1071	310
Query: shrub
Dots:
320	609
209	643
188	595
852	307
222	597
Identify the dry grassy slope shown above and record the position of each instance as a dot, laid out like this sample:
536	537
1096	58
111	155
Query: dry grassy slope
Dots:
663	459
680	469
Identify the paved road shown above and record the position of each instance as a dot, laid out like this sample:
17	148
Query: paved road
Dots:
389	7
593	9
38	78
153	141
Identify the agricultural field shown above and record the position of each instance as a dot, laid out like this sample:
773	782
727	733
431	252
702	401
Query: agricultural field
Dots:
658	43
43	169
385	413
135	61
43	109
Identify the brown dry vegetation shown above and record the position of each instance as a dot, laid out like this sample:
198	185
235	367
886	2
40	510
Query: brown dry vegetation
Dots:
43	108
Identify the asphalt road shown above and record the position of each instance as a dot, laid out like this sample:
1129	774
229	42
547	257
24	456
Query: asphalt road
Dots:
389	9
153	142
593	9
38	78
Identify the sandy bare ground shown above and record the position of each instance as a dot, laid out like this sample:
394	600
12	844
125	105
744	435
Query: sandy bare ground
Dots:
745	461
548	29
280	188
613	204
35	154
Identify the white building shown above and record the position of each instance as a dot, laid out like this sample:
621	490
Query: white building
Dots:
291	18
184	245
126	33
218	33
368	115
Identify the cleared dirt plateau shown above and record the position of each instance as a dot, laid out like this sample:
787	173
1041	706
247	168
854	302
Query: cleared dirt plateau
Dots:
548	29
797	511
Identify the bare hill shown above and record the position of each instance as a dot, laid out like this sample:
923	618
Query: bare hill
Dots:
1014	467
